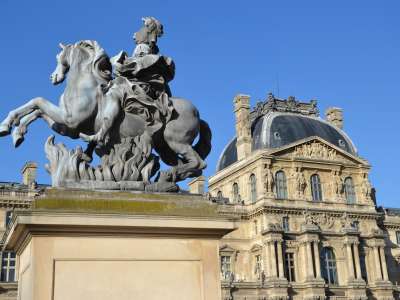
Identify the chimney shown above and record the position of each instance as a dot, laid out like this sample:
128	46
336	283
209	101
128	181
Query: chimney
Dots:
29	173
334	115
243	134
196	186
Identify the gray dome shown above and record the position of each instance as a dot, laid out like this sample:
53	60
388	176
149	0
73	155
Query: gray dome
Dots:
277	129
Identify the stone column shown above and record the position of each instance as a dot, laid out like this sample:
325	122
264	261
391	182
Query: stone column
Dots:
317	260
310	272
357	259
280	260
350	263
267	259
273	259
384	266
296	265
377	264
304	259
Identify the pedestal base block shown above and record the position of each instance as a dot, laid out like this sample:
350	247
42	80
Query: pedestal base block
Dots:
80	255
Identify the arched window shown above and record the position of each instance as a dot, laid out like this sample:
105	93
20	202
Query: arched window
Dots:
329	270
316	189
349	190
280	183
253	188
219	195
235	191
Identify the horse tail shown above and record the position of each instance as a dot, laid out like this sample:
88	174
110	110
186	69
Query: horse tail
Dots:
203	146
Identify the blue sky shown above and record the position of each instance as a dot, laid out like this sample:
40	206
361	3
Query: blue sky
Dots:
343	53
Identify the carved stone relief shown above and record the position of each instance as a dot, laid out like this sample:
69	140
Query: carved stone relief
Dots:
316	150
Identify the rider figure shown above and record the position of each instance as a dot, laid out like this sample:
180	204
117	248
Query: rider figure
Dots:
146	67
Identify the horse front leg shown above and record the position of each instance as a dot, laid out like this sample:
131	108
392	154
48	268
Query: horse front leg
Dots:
39	103
20	130
18	134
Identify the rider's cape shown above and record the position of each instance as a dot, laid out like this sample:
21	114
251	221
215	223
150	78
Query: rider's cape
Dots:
148	94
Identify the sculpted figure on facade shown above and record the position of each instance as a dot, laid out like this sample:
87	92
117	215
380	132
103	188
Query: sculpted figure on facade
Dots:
124	111
366	188
300	183
269	181
308	218
337	185
346	222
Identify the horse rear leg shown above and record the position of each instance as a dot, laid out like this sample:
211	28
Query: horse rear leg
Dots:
191	164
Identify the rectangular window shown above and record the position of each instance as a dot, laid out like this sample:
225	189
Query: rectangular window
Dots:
257	266
7	267
280	184
398	237
356	225
316	188
225	267
255	227
289	267
285	224
9	215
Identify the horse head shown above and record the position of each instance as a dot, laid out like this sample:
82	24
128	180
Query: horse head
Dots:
81	56
149	33
62	67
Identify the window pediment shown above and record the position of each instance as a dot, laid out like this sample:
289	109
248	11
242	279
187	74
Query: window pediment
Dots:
256	248
225	249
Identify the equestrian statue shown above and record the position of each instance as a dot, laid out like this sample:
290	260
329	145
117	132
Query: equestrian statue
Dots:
122	107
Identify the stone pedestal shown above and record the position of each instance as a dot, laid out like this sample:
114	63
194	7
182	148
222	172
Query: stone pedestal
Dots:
90	245
356	290
311	290
382	290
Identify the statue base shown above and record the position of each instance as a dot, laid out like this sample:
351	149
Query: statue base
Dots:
118	245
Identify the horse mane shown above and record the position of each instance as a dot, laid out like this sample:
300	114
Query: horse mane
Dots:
81	58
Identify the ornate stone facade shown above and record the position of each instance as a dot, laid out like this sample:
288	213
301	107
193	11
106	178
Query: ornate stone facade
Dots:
326	239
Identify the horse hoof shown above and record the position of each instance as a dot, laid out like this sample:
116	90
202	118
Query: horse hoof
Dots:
4	130
17	139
